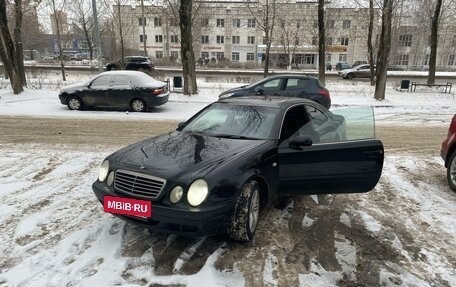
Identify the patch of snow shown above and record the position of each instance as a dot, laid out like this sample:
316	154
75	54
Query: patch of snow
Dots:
319	277
371	224
397	276
345	219
346	255
270	267
314	198
307	221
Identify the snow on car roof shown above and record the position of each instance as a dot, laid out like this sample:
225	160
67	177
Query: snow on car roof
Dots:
140	77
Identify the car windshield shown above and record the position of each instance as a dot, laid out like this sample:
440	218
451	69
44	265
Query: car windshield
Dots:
234	121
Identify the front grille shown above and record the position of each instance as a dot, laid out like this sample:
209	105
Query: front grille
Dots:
138	184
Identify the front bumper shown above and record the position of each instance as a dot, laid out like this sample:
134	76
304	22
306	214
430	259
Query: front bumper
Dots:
192	222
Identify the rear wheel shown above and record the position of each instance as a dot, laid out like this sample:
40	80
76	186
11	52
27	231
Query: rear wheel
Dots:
350	76
138	105
451	171
74	103
244	221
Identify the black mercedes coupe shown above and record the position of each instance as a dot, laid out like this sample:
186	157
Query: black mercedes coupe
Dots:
236	157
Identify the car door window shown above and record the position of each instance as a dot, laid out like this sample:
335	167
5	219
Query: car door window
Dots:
272	85
100	82
294	120
121	81
327	129
296	84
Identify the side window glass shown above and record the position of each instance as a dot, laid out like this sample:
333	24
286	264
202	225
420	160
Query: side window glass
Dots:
121	81
296	84
272	86
294	121
359	123
100	82
325	129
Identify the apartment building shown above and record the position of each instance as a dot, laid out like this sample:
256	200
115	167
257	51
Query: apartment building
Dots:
230	30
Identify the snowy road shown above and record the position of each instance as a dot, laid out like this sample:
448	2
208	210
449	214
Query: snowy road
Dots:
54	232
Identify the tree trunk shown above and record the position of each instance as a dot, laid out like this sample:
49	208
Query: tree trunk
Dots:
8	53
370	47
59	43
384	50
321	41
122	52
434	42
18	41
188	58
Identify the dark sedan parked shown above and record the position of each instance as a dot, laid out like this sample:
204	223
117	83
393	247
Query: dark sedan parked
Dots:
134	63
287	86
120	89
232	159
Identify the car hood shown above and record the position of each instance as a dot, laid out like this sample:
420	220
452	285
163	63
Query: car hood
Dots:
73	88
233	90
180	153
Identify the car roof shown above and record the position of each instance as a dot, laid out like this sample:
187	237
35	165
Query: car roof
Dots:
262	101
281	76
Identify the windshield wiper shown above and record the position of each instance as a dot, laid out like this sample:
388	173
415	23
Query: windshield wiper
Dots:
233	137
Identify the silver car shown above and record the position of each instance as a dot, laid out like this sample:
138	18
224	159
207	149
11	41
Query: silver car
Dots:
361	71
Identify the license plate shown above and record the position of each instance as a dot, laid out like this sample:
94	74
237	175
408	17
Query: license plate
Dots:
127	206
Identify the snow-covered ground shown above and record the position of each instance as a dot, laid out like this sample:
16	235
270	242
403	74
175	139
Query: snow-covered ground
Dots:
54	232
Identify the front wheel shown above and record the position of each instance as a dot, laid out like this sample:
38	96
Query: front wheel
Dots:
244	221
350	76
138	105
451	171
74	103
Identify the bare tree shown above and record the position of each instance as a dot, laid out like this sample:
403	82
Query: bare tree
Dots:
321	41
62	36
8	53
18	15
265	16
384	50
434	42
187	54
370	48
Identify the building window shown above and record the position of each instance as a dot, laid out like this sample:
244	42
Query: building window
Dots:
235	56
173	22
236	23
250	39
220	55
174	39
426	60
342	57
158	38
328	57
157	22
331	24
296	41
405	40
250	56
220	22
401	60
220	39
141	21
329	40
344	41
158	54
346	24
205	22
235	39
141	40
315	24
205	39
175	54
205	55
251	23
451	60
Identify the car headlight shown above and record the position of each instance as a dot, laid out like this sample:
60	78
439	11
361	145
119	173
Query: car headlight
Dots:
176	194
197	192
226	95
103	172
110	178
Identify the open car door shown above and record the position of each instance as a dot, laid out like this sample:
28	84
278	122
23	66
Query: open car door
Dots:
329	152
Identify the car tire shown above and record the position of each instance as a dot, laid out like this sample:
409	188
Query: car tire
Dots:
350	76
451	171
244	220
138	105
74	103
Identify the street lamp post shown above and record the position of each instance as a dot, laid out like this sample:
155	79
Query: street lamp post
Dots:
97	35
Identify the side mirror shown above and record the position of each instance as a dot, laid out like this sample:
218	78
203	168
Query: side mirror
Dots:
259	90
300	141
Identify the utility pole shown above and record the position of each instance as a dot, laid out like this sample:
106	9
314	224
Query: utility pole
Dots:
97	35
143	21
